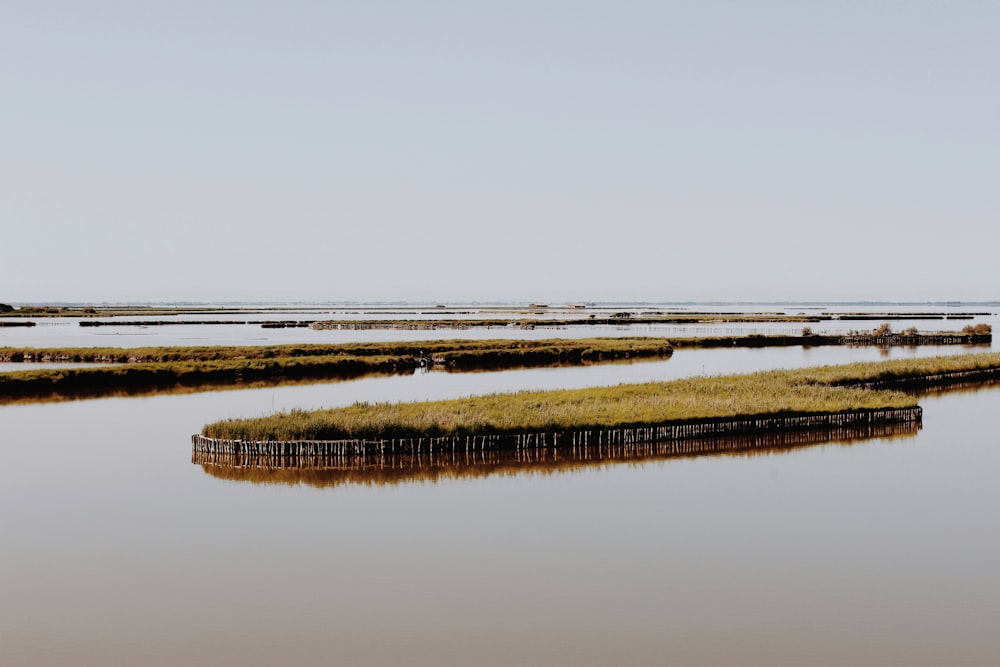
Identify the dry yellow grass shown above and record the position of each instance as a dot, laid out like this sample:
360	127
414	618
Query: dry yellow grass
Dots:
822	390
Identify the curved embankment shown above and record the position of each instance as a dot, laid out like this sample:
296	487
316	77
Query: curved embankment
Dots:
816	398
329	471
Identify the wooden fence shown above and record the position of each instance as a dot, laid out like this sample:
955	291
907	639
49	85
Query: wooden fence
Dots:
569	440
325	471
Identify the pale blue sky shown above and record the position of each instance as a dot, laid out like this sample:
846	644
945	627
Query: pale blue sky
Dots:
441	151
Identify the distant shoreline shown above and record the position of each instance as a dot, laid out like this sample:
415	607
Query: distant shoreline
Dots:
375	303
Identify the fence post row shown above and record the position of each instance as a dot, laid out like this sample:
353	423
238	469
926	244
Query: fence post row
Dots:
554	440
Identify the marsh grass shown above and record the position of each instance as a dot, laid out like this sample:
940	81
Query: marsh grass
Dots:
821	390
146	370
624	406
584	347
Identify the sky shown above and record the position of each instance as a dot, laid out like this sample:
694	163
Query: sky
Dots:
541	150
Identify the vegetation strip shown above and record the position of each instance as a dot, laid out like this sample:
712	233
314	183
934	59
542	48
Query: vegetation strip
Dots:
809	392
567	439
444	351
775	400
147	370
158	369
454	353
624	318
615	319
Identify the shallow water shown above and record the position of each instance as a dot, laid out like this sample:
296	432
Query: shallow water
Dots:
118	551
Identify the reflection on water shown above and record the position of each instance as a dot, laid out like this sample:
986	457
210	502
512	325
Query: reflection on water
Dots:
970	387
98	391
331	471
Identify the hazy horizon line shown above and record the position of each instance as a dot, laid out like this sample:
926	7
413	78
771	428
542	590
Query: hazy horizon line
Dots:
512	302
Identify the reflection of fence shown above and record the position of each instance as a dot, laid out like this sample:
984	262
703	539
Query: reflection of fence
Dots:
332	470
978	376
566	440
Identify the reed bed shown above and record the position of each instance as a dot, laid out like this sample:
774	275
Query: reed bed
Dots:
456	353
146	370
584	347
821	390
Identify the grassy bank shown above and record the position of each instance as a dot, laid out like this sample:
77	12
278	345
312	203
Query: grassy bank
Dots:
556	319
460	353
148	370
155	369
823	390
444	352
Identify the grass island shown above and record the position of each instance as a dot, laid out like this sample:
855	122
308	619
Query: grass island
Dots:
165	369
850	395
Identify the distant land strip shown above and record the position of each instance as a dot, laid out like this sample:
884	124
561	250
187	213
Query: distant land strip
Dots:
454	353
423	317
266	324
626	318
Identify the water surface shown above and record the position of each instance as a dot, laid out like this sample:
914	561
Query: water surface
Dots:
119	551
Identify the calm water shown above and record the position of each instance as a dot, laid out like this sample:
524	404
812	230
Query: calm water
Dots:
118	551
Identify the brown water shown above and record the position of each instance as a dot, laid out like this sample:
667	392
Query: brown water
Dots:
117	550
